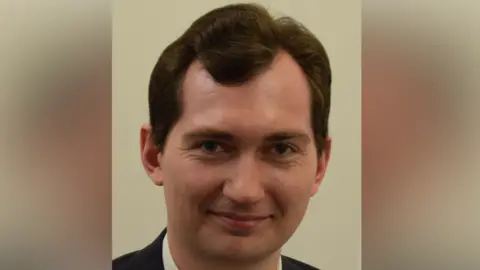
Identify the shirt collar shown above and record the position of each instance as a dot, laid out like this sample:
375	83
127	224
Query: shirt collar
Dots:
169	263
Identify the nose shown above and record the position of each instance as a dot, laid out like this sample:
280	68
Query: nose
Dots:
245	185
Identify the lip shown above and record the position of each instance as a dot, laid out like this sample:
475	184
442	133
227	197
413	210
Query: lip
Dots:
242	222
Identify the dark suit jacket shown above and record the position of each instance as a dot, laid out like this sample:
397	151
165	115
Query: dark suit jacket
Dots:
150	258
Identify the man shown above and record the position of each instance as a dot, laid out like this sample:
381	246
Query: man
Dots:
238	138
65	102
415	115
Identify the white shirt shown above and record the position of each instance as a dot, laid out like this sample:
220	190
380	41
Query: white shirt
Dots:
169	263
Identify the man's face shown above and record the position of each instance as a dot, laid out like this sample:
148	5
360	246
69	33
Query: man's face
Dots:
240	165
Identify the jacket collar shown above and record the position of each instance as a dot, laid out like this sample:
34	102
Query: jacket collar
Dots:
151	257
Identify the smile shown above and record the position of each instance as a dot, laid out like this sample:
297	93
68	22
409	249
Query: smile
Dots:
239	222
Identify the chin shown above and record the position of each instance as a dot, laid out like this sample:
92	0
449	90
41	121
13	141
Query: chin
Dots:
239	252
230	247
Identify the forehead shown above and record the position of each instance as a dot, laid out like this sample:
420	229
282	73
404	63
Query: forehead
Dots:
277	99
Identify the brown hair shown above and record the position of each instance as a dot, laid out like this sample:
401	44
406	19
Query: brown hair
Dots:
235	43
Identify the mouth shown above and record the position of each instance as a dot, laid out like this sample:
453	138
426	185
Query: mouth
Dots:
240	222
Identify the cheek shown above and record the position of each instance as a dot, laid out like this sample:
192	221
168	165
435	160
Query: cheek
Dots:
188	182
294	187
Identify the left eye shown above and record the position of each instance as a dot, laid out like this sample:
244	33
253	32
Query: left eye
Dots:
211	146
282	149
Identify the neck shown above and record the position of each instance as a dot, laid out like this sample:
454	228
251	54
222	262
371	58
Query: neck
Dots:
185	259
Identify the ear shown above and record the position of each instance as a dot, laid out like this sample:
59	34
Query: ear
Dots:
322	164
150	154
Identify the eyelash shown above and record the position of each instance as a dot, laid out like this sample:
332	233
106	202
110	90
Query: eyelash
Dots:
217	144
226	149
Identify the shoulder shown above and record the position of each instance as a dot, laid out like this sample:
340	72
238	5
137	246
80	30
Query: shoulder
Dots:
124	262
293	264
145	259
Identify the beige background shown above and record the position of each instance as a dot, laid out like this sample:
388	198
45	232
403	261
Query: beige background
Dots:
330	235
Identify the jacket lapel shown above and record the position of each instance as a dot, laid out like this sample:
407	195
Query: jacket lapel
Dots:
150	258
288	265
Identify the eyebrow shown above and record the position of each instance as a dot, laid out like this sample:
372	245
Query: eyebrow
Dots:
208	133
216	134
287	135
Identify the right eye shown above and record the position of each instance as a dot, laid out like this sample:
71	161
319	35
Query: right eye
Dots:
210	146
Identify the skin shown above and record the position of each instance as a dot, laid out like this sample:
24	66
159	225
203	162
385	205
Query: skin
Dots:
246	152
410	152
63	196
